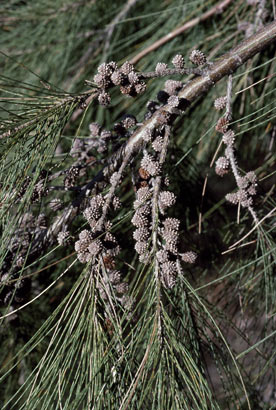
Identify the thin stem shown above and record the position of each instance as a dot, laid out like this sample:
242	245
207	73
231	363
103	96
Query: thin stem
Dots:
117	178
218	8
155	223
173	71
230	150
229	98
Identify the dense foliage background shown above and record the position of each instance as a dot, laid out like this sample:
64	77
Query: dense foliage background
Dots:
209	341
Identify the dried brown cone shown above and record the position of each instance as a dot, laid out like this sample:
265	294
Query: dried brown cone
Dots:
222	125
109	326
143	184
127	89
143	173
109	262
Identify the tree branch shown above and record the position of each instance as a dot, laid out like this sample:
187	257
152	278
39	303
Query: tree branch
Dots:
226	65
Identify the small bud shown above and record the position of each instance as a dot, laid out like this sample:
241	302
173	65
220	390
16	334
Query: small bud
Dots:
141	235
251	176
172	86
104	69
242	182
166	181
127	67
166	199
95	247
117	78
150	165
143	194
71	176
158	143
140	221
147	135
104	98
86	236
63	237
127	89
161	68
101	81
197	57
162	256
239	197
169	273
128	121
165	118
116	203
20	261
252	190
115	277
122	288
173	101
220	103
140	87
133	77
222	166
115	179
144	258
171	224
189	257
141	247
41	221
77	147
178	61
112	66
